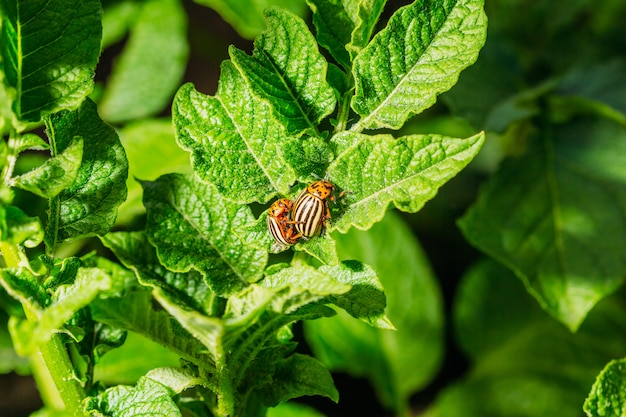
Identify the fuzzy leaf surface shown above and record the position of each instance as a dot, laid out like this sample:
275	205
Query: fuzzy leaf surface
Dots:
287	69
49	53
560	226
408	171
145	77
89	206
416	57
56	174
608	394
147	398
192	226
234	141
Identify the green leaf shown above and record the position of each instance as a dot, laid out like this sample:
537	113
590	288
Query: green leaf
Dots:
378	170
608	394
234	142
321	247
49	53
29	141
154	137
529	366
192	226
304	278
364	14
17	228
287	69
594	89
117	18
65	302
23	286
560	226
334	26
147	398
146	75
293	409
137	356
246	16
417	56
136	311
56	174
10	361
400	362
345	26
136	253
488	93
207	330
365	300
299	375
175	379
89	206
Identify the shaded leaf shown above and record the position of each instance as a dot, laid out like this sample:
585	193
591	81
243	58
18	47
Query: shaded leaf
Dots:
408	171
137	356
17	228
150	68
136	253
49	53
344	27
299	375
417	56
246	16
567	250
366	300
136	311
536	363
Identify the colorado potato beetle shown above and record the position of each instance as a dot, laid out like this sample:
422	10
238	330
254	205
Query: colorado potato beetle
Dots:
311	211
279	223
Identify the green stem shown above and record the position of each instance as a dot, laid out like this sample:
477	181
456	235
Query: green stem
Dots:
225	398
51	365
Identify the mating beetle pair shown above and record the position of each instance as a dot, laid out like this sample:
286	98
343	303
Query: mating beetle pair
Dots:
289	222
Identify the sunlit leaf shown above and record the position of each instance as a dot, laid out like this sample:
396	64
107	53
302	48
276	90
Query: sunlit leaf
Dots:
417	56
49	53
378	170
287	69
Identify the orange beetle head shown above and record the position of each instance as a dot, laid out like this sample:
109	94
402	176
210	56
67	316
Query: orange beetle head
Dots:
321	189
280	208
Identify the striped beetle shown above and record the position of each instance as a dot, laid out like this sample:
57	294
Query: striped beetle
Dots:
311	211
280	225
